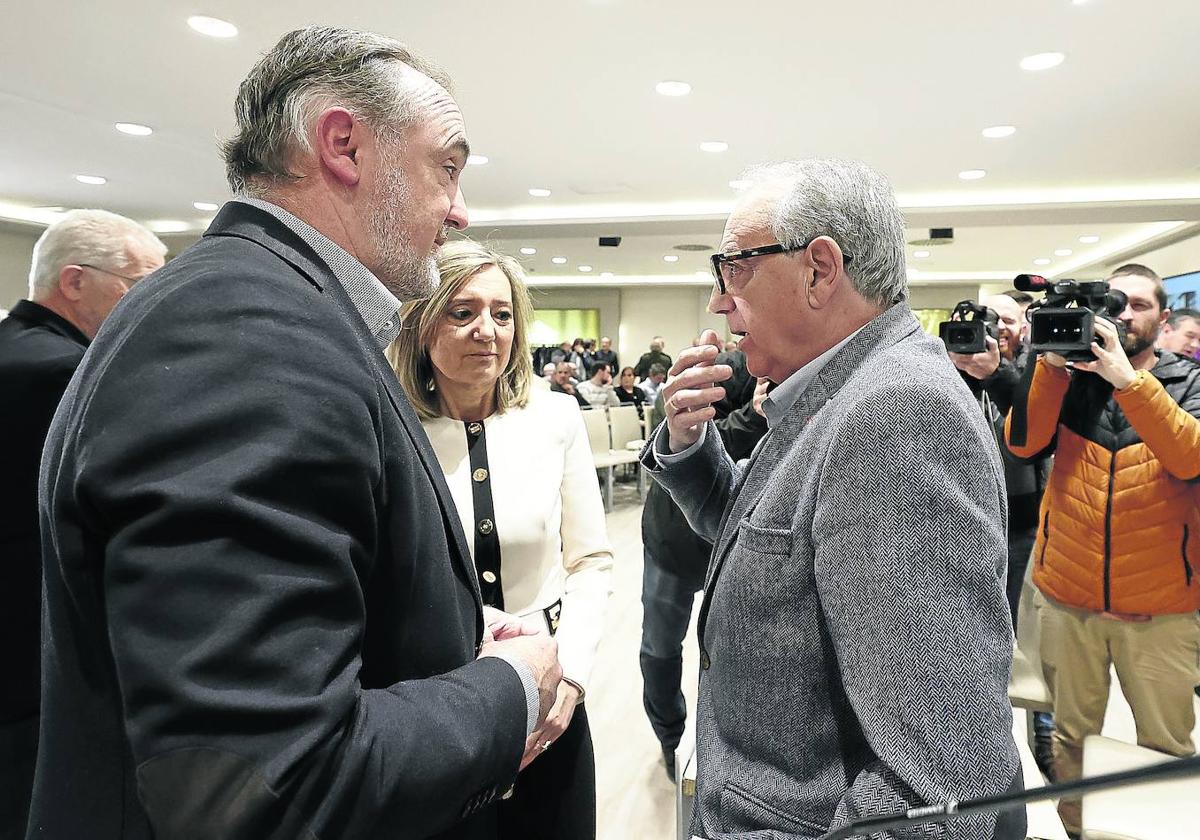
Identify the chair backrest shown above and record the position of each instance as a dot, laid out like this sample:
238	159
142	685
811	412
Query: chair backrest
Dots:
625	425
596	423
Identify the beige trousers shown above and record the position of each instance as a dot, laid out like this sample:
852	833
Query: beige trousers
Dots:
1157	664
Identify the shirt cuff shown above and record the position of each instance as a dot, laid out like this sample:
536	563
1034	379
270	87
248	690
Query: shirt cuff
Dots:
667	458
532	700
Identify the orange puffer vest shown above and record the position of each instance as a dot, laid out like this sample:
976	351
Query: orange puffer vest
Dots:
1120	520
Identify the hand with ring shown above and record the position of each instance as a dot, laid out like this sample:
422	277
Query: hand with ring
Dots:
555	725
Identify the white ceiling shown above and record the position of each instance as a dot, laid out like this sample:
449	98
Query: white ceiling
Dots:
561	95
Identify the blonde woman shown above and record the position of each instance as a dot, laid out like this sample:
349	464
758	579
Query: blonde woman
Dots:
520	469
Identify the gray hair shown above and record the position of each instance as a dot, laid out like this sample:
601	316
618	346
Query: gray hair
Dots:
850	203
86	237
306	72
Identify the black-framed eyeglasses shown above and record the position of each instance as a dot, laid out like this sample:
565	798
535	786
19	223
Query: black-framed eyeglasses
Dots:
129	281
725	268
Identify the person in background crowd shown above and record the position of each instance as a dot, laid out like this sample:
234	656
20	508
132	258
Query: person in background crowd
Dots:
82	266
1115	560
564	384
675	560
548	371
656	356
651	384
598	390
562	353
521	471
730	346
1181	333
605	354
840	601
628	391
580	358
261	617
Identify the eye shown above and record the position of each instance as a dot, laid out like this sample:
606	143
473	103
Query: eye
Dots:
460	314
451	170
503	317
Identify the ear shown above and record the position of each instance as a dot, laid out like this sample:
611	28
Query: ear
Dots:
824	256
70	282
337	139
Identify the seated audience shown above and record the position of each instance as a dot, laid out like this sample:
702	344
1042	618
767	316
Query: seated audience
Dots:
598	390
564	384
652	383
520	469
628	391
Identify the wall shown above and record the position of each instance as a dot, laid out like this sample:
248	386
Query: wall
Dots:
16	253
1179	258
608	301
677	313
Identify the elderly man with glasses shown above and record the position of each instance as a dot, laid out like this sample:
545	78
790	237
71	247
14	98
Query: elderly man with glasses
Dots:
854	638
82	265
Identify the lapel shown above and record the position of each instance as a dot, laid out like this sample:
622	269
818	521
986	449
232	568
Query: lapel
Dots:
883	331
248	222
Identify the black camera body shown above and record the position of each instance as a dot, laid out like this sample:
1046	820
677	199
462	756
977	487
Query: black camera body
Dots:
967	330
1064	321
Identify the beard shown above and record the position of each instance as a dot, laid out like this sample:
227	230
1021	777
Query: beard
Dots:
406	272
1136	342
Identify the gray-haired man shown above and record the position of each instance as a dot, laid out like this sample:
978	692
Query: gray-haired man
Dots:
263	620
83	264
854	640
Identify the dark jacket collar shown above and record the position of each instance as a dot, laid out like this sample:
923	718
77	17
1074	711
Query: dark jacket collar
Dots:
248	222
1172	366
36	315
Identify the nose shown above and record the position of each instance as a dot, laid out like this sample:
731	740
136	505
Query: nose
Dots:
486	330
457	217
719	304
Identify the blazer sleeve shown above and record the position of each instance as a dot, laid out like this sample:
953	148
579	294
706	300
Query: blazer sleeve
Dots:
586	556
239	498
1042	406
699	484
909	539
1171	430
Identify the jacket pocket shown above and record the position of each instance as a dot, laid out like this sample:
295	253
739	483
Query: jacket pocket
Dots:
762	540
743	811
1183	552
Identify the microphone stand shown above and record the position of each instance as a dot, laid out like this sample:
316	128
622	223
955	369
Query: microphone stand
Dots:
949	810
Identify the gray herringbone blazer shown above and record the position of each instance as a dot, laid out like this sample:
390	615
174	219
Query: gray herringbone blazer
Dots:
855	642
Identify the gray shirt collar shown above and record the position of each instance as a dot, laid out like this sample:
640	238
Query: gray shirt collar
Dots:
377	306
780	402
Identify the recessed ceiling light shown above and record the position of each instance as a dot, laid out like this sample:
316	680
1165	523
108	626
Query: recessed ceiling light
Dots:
714	146
539	192
996	132
476	160
212	27
972	174
1042	61
670	258
529	252
1089	239
920	255
94	180
559	260
672	88
739	184
205	206
606	275
134	129
1063	252
585	268
167	226
1041	261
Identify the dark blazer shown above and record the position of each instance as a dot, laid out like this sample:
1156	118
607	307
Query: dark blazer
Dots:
261	614
855	643
39	352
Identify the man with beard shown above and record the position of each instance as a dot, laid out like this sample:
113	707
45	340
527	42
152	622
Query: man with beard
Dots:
262	618
1118	544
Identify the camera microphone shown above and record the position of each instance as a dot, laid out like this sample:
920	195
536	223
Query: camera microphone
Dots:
1031	283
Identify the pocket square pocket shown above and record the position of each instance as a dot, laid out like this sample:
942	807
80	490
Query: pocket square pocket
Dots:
764	540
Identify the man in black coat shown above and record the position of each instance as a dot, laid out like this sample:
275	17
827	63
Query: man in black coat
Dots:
674	568
82	265
262	618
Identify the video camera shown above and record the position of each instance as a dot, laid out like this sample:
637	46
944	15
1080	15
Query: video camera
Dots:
1063	322
968	328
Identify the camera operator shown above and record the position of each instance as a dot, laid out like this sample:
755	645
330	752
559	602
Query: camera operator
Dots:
1118	544
997	372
